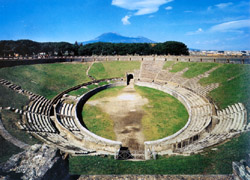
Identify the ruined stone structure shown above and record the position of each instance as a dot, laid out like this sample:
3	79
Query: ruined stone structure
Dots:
59	123
241	170
36	163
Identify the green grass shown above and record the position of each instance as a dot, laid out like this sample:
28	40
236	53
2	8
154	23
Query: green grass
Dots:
78	92
103	70
7	150
168	64
81	91
164	116
92	86
46	79
103	83
98	121
208	162
225	72
179	67
11	98
234	87
110	92
194	69
9	118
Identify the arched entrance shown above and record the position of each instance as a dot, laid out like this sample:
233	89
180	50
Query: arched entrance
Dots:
129	77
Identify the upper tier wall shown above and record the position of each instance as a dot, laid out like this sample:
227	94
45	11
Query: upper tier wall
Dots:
8	62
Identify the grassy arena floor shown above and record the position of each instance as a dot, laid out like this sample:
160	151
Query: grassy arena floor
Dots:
164	114
98	121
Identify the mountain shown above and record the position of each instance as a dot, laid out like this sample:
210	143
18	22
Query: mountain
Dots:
117	38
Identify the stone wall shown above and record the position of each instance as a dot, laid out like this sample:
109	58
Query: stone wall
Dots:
100	144
223	59
149	145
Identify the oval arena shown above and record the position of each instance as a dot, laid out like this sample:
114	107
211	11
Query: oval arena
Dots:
59	122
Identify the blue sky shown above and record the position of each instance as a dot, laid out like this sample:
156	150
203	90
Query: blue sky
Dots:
201	24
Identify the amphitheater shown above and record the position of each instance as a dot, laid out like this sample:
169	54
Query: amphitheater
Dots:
58	122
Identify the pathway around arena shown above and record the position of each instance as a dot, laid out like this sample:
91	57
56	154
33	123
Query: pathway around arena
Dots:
126	111
6	135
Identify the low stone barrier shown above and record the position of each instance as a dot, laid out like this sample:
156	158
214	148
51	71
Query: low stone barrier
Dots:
149	145
102	145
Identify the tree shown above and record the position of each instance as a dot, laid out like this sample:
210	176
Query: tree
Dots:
174	48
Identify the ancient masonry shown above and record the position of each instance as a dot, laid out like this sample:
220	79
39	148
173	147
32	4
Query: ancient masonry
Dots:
35	163
241	170
59	123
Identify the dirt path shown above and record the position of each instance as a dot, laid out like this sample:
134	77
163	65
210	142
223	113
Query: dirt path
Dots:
126	112
87	72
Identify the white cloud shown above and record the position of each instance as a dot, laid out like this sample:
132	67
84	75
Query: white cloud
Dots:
224	5
169	8
232	26
198	31
125	20
141	6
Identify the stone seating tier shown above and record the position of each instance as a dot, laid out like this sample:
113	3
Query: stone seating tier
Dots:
37	123
193	137
65	116
232	121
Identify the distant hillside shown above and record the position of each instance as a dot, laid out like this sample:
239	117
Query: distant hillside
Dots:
117	38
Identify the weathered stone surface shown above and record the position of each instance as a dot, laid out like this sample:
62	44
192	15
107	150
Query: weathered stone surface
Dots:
37	162
241	169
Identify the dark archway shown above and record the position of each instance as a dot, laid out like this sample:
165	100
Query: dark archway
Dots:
124	154
129	77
